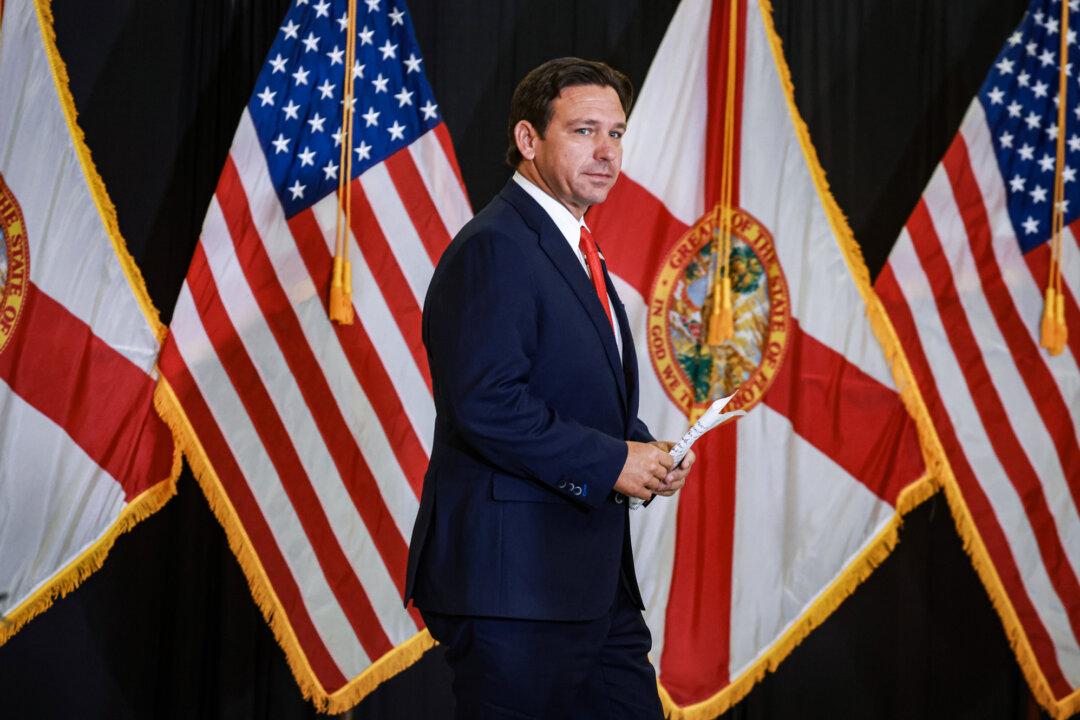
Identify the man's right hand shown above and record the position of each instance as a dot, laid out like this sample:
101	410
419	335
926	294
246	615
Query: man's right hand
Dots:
644	471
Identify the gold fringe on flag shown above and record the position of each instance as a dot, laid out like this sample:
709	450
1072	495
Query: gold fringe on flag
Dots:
341	307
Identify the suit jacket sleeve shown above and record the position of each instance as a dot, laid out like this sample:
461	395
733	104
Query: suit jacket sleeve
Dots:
480	325
639	432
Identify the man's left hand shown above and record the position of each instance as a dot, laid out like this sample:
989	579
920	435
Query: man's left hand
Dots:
676	478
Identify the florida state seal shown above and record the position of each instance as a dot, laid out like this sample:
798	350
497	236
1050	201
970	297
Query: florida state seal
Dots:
693	372
14	264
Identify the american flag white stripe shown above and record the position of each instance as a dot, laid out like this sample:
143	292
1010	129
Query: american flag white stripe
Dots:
195	348
373	312
441	182
293	409
396	226
1006	504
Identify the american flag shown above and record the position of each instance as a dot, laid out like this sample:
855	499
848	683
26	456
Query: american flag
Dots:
310	439
964	288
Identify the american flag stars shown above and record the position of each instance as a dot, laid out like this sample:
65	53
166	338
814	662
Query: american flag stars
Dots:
1020	99
298	110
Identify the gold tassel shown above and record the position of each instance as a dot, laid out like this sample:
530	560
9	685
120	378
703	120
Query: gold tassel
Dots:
341	310
722	320
1061	330
1049	321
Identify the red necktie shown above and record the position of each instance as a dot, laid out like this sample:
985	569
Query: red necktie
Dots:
592	259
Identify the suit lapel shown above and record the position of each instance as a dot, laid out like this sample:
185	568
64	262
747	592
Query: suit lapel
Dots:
562	257
629	358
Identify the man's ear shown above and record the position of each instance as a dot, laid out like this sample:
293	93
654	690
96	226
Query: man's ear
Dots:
525	136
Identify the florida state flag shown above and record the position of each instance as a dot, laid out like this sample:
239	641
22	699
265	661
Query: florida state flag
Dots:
739	272
83	454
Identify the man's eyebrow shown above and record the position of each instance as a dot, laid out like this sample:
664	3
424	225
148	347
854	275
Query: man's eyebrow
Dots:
591	122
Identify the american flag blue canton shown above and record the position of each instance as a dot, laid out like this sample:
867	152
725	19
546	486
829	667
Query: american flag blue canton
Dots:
1020	97
298	102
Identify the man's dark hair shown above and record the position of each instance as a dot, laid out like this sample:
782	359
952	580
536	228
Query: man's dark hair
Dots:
534	95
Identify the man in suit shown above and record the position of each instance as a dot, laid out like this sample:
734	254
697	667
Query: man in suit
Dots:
520	561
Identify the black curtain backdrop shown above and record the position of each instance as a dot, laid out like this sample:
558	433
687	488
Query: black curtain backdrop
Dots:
167	629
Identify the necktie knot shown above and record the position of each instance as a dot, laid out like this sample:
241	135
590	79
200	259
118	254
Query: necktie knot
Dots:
592	260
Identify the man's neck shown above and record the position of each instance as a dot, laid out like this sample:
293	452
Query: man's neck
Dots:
529	172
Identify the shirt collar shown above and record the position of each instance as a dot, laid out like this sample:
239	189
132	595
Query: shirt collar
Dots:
568	225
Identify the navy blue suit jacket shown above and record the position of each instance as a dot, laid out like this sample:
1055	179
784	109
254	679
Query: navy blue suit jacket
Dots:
517	516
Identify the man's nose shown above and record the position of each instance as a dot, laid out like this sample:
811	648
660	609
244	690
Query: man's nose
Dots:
605	148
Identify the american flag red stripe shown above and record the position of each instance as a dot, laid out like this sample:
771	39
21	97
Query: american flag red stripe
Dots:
422	212
400	299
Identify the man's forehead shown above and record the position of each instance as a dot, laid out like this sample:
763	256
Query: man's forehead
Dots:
590	103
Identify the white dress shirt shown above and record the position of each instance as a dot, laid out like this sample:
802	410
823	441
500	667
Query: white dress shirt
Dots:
570	227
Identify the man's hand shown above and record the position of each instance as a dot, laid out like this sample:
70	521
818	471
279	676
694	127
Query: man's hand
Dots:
676	478
646	468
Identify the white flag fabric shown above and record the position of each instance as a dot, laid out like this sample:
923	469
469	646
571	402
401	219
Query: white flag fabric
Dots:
83	454
791	506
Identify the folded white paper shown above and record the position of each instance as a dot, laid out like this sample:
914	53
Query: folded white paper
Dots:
713	417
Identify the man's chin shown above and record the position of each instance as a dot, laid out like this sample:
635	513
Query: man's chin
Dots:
596	195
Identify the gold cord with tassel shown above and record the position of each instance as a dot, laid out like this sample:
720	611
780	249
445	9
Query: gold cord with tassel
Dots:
341	308
721	326
1054	333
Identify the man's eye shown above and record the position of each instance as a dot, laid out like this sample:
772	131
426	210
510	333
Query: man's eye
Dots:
584	131
615	134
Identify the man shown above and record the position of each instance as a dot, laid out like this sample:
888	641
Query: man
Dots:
520	560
